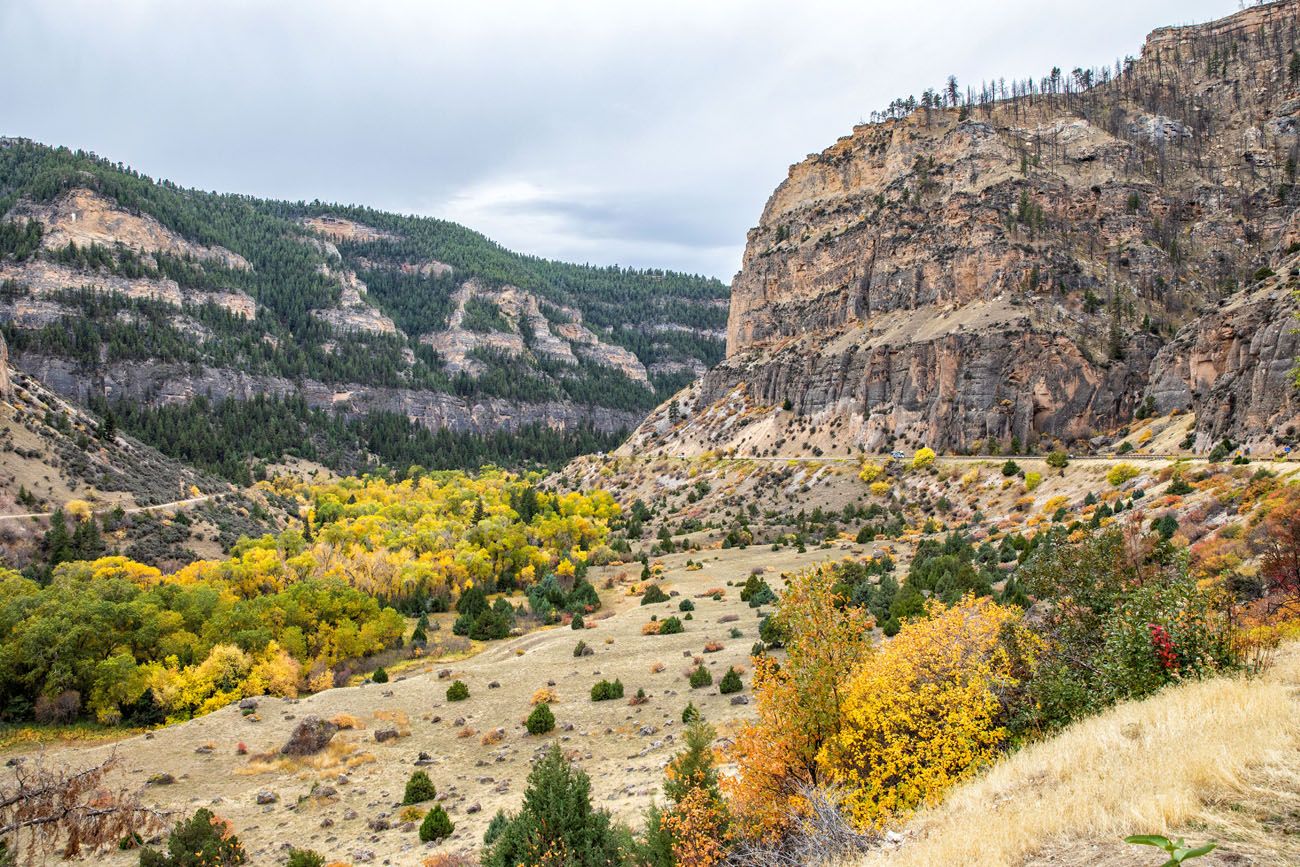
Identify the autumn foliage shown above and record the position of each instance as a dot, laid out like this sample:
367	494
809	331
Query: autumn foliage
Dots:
799	703
924	714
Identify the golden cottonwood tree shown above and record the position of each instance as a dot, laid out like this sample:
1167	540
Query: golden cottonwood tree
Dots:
925	714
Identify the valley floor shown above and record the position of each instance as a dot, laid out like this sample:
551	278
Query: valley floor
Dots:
622	748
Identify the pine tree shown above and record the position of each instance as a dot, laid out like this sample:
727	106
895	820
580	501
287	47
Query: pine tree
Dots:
556	824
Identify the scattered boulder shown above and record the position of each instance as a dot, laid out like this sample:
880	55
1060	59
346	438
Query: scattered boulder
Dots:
161	780
248	704
266	796
311	736
383	735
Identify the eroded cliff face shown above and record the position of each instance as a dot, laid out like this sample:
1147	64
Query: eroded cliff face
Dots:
1235	367
1010	270
168	384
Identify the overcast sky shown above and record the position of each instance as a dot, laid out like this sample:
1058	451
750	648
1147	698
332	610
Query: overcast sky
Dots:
638	133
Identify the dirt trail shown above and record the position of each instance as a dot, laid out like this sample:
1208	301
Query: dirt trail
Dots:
174	504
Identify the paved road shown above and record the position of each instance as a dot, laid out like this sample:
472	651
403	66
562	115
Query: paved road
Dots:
970	459
192	501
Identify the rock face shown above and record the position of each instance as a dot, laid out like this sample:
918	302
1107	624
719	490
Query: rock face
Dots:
162	384
311	736
84	217
1009	269
6	390
1235	368
524	329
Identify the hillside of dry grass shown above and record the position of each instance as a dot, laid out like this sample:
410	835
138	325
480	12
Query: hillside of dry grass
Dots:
1208	760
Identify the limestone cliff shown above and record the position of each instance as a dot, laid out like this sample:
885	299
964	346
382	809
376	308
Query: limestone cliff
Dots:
1009	268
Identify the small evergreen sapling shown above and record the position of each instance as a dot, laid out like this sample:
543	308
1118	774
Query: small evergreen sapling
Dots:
419	788
436	825
541	720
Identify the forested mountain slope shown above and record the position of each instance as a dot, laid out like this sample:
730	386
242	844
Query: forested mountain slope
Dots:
128	293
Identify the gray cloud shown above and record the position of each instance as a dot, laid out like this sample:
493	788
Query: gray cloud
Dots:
643	133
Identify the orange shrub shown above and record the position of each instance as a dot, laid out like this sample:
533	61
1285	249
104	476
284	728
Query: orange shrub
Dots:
798	704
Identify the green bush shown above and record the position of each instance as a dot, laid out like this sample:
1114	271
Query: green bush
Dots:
380	676
203	840
436	825
730	682
419	788
304	858
654	593
581	648
758	592
1058	460
1220	451
691	713
606	691
556	817
671	626
771	631
578	622
1134	624
458	691
1010	468
701	677
541	720
686	605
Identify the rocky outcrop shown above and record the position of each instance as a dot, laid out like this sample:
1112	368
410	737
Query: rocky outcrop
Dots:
44	278
1009	269
161	384
525	329
343	229
84	217
6	389
353	312
1235	369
